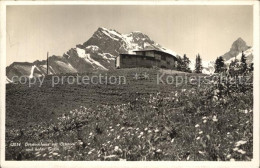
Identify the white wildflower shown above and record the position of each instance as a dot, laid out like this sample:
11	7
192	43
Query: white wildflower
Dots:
116	148
200	152
235	149
228	156
159	150
241	142
215	118
197	125
156	130
241	151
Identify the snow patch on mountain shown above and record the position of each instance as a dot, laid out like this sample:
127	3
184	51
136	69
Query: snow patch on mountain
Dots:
87	57
111	33
130	45
93	48
52	70
208	66
247	53
108	56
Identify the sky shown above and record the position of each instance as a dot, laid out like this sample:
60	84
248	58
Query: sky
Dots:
207	30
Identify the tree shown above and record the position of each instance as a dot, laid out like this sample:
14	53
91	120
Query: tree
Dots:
179	63
243	63
198	64
186	63
183	63
219	65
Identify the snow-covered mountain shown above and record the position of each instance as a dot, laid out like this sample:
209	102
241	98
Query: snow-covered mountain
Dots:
208	66
236	50
97	53
248	54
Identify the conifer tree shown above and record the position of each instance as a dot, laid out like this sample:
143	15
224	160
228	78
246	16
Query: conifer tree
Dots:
179	63
186	62
198	64
243	63
219	64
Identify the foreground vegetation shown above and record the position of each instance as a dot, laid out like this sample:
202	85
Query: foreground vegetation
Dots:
210	122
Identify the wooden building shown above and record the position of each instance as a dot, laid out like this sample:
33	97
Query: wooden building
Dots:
147	59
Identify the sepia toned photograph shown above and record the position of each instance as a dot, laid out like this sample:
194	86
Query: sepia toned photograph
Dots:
135	82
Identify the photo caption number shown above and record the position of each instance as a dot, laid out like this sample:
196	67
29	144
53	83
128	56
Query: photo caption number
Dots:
15	144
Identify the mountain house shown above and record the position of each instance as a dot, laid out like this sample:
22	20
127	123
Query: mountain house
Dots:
147	59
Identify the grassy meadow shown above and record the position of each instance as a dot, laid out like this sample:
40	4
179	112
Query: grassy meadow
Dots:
136	121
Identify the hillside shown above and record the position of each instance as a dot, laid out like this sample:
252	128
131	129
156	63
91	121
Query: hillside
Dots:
140	120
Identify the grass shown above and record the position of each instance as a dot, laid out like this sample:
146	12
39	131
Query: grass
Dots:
137	121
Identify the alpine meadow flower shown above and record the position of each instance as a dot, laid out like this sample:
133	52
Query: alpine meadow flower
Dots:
241	151
239	143
215	118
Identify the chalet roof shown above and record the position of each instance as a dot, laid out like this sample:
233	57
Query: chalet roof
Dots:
158	51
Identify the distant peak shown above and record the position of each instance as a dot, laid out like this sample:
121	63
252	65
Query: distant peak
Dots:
239	44
102	28
106	29
240	39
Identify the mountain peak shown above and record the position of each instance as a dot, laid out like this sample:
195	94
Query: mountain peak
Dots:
97	53
239	39
237	47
